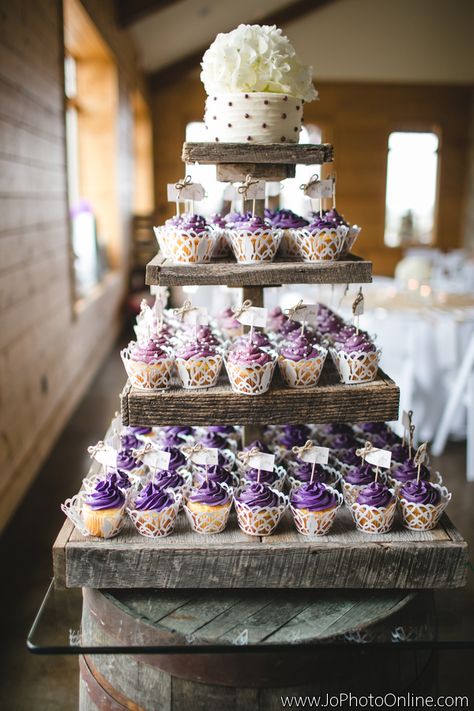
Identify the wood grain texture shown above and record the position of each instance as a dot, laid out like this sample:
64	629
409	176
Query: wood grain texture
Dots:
329	401
286	153
351	270
237	172
346	558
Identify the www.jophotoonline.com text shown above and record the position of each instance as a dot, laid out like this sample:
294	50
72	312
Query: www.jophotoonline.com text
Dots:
346	700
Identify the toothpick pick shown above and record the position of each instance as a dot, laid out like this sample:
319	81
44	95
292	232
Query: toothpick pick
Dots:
313	469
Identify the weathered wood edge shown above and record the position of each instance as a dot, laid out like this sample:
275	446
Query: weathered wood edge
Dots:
59	552
289	153
124	395
351	270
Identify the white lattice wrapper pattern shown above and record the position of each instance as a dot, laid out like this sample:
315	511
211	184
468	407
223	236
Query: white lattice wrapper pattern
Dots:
371	519
350	240
250	379
221	244
163	237
424	517
156	524
278	484
356	367
199	372
261	521
250	246
189	246
316	523
303	373
147	376
109	525
289	244
326	244
213	519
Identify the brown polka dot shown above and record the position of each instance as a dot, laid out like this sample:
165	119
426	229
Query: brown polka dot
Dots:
297	108
249	138
217	140
266	101
246	96
283	139
214	118
246	116
283	115
264	125
285	98
230	103
215	98
229	125
296	128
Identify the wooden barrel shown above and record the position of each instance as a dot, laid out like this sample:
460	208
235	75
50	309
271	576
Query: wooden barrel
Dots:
245	679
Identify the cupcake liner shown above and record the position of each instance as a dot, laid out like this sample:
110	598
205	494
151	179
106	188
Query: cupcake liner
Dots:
357	367
302	373
156	524
201	372
289	245
334	478
163	237
263	521
371	519
350	240
258	246
221	244
278	484
209	522
250	379
147	376
191	247
316	523
424	517
110	526
326	244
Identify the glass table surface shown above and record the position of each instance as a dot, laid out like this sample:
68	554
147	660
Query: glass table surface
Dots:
75	621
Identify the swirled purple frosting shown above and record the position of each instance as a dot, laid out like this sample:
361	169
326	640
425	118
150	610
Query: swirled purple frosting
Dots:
149	352
126	461
344	441
222	430
419	492
120	479
330	325
259	496
193	222
399	452
181	430
337	428
144	431
265	477
217	219
235	218
319	222
195	349
304	472
166	479
129	441
153	498
383	440
314	497
358	344
177	458
106	495
360	475
372	427
227	320
287	219
249	354
171	439
298	349
210	493
216	473
288	327
276	318
293	436
376	494
205	334
408	471
348	456
335	217
213	440
257	444
253	224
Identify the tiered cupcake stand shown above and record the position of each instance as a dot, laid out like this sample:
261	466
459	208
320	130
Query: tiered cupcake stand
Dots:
345	558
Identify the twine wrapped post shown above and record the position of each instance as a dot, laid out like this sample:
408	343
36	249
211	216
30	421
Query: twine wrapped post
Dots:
419	459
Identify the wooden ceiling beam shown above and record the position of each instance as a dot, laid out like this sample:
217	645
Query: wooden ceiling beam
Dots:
128	12
288	13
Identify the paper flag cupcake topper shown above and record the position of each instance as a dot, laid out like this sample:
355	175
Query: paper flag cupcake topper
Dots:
302	313
317	189
192	315
420	458
104	454
407	418
358	308
153	457
185	190
257	459
251	189
199	454
312	454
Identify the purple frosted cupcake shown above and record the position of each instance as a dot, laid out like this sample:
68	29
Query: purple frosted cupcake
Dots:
321	240
356	360
154	511
422	504
287	220
193	240
128	465
374	509
229	325
259	509
250	369
407	471
355	479
169	479
314	508
254	240
103	509
207	507
148	364
301	362
216	473
274	479
198	364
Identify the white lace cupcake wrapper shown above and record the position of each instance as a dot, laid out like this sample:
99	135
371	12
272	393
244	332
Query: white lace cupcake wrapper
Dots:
190	246
424	517
163	238
155	524
260	522
110	526
89	483
147	376
303	373
258	246
316	523
323	245
358	367
208	521
250	379
370	519
289	245
199	372
350	240
221	244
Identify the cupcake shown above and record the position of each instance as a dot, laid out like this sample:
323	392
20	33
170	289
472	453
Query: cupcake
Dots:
129	441
301	362
169	479
276	319
208	507
250	369
229	325
258	338
259	509
218	225
131	467
154	511
374	509
254	241
287	220
355	479
422	503
400	453
177	461
321	240
357	360
198	365
193	240
403	472
314	508
103	510
214	440
215	473
148	364
300	472
275	478
119	479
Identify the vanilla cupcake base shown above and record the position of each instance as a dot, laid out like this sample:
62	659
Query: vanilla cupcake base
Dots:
424	517
255	246
326	244
303	373
102	523
250	379
199	372
262	521
356	367
372	519
316	523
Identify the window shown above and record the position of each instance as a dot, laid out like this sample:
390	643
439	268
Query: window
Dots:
91	97
411	194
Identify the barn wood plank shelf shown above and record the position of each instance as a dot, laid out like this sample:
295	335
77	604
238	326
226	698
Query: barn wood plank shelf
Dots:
329	401
274	161
345	558
351	270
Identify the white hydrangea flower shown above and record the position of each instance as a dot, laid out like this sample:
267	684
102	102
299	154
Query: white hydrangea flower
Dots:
255	58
